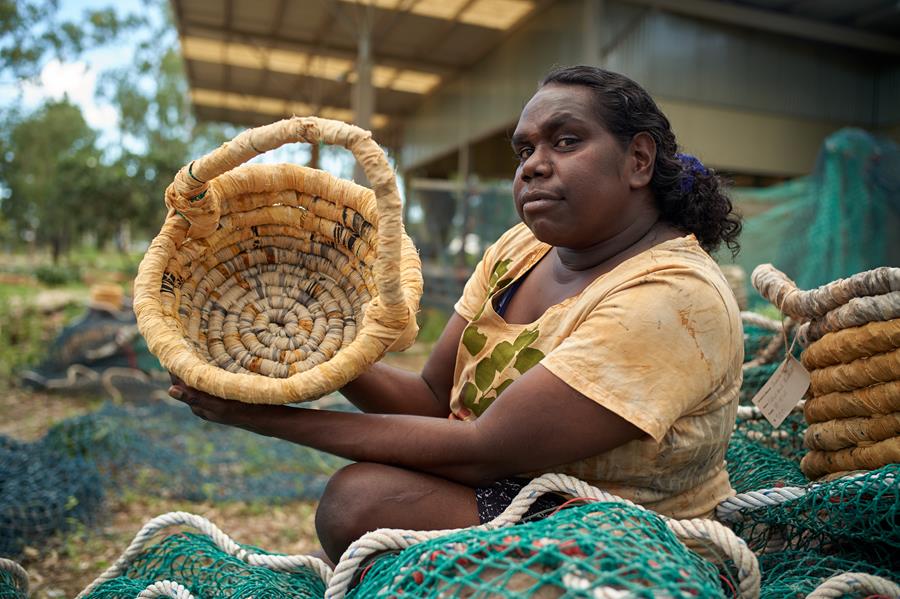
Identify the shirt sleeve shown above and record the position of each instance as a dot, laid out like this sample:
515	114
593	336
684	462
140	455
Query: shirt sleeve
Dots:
652	349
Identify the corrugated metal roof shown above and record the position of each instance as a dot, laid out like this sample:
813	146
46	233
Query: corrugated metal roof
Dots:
248	60
245	58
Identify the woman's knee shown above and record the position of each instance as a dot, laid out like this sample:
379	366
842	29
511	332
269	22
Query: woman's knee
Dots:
345	509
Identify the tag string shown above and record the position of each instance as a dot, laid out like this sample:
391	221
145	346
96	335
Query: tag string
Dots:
788	348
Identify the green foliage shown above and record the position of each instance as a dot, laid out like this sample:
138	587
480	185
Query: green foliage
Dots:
31	32
56	183
23	338
56	274
431	324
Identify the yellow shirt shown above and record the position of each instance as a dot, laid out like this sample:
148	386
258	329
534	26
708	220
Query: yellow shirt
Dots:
657	340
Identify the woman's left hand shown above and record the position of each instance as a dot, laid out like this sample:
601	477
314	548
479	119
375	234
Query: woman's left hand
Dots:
212	408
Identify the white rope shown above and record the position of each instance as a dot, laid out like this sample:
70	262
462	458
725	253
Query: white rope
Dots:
855	584
729	508
20	575
281	563
754	413
707	532
761	322
165	588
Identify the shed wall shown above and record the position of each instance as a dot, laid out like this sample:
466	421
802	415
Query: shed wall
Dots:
743	99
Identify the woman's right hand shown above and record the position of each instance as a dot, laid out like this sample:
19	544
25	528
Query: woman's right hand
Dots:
212	408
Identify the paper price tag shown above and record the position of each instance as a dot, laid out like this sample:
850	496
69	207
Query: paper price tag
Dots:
783	390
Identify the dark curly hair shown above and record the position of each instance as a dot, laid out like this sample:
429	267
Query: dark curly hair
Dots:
689	196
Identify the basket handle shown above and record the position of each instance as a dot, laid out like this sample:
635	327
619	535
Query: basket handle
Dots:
190	196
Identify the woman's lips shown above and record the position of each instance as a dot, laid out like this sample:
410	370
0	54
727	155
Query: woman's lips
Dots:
537	201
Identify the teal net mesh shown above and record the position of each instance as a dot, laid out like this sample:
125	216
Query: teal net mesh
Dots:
795	574
9	586
574	553
841	219
753	466
859	515
196	563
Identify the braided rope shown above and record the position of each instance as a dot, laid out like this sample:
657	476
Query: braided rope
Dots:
855	584
761	322
165	588
729	508
754	413
707	532
280	563
19	573
776	287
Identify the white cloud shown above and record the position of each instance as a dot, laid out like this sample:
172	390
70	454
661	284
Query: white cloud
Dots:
76	80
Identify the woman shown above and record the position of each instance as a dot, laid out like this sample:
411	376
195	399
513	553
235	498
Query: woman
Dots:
597	338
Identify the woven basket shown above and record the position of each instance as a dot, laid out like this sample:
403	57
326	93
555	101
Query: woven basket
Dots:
278	283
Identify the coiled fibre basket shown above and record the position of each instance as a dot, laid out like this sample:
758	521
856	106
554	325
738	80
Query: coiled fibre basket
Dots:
278	283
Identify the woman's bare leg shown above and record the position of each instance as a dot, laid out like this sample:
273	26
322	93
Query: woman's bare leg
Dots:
362	497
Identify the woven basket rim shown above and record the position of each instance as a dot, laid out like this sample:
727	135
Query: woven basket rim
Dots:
389	315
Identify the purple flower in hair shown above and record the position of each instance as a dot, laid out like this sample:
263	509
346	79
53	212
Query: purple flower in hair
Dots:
690	168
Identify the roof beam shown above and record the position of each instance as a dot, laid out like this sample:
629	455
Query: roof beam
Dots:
278	41
778	23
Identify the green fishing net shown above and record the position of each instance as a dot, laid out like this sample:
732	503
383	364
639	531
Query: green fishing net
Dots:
786	440
835	222
753	466
196	563
575	553
789	574
857	514
754	378
9	586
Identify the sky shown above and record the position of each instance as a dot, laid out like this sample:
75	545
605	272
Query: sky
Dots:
77	79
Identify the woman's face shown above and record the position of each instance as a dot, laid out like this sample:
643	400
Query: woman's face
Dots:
573	186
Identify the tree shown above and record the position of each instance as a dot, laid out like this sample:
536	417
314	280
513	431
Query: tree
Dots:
48	167
31	32
158	132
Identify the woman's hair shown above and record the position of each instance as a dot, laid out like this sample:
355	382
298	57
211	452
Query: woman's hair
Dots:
688	195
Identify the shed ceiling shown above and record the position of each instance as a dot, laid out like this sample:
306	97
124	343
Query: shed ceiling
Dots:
251	61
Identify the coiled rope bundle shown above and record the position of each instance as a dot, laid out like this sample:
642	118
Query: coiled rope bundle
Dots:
278	283
851	329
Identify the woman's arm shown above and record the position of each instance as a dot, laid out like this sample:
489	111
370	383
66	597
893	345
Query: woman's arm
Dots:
538	422
385	389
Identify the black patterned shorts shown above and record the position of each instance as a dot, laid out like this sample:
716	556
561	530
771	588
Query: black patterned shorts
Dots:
492	499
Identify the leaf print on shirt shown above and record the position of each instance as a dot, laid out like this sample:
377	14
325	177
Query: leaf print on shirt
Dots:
495	283
473	340
478	396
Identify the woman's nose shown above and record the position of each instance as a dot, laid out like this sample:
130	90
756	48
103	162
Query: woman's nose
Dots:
536	165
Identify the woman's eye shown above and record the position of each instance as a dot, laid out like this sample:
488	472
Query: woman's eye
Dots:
524	153
565	142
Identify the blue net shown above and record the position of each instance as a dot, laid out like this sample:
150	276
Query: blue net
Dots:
43	491
163	450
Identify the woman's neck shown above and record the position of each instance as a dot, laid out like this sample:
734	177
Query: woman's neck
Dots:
643	233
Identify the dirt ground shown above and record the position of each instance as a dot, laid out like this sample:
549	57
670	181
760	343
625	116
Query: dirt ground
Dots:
63	566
